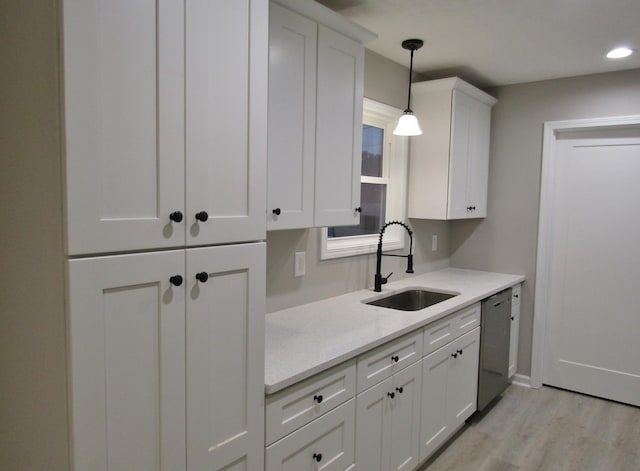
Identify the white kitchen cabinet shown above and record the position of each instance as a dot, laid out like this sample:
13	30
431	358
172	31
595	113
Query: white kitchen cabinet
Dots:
516	295
304	402
316	83
143	344
338	129
150	118
449	390
388	422
325	444
449	162
292	119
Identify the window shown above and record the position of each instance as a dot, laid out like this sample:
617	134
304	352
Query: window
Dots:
382	188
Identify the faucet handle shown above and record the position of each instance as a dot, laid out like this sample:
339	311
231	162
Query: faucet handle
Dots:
385	279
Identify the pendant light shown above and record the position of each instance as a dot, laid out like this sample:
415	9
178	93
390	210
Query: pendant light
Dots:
408	123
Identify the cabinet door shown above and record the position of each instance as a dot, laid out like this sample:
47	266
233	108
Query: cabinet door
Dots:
124	124
373	431
126	351
469	166
292	119
515	330
225	357
462	385
338	129
434	417
326	444
226	120
405	418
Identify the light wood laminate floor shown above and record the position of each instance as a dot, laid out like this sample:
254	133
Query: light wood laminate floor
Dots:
545	429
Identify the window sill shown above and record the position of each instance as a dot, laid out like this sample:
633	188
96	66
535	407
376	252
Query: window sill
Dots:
356	245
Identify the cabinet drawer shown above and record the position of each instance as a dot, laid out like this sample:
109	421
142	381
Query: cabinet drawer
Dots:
298	405
467	319
439	334
450	328
331	438
516	294
382	362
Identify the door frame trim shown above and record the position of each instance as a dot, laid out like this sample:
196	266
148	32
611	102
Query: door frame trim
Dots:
545	226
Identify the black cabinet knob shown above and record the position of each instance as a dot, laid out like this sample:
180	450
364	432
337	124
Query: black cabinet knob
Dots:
395	358
391	394
516	295
400	389
513	318
176	216
176	280
202	277
460	352
317	457
318	398
358	209
276	211
202	216
454	355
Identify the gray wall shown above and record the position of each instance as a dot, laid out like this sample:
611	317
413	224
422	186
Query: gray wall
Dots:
506	241
387	82
33	388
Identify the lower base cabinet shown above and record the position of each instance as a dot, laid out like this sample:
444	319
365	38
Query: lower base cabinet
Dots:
325	444
388	422
449	390
166	359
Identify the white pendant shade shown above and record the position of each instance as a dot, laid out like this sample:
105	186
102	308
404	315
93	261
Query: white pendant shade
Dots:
408	125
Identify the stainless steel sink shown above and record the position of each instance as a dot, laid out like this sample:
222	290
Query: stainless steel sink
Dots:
412	299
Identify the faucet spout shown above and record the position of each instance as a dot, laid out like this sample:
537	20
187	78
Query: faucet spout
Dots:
379	280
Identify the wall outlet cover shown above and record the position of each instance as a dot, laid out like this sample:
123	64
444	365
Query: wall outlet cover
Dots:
299	267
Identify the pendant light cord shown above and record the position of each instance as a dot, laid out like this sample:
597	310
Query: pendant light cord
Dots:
410	77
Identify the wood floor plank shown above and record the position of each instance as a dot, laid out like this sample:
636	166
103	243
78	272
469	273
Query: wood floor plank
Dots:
545	429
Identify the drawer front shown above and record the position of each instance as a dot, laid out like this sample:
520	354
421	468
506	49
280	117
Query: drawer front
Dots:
516	294
439	333
330	438
298	405
467	319
382	362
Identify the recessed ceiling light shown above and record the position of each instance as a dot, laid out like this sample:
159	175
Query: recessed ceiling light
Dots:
619	53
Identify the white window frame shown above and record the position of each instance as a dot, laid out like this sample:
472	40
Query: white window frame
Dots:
394	175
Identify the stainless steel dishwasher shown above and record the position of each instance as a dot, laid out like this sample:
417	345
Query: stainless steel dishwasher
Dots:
493	375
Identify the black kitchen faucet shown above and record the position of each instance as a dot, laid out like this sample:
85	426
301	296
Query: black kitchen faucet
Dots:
379	280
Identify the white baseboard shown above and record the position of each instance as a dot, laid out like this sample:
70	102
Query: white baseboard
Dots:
521	380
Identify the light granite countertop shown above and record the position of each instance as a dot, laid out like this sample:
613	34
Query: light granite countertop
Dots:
305	340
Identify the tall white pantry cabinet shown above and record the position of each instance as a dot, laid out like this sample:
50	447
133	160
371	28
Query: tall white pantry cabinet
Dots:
165	137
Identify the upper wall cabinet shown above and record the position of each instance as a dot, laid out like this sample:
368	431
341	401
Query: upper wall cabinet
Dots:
449	163
316	83
165	123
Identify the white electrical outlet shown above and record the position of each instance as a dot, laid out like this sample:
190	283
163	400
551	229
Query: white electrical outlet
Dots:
434	242
299	264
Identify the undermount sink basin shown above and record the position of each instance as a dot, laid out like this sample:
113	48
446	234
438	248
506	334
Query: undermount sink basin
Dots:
412	299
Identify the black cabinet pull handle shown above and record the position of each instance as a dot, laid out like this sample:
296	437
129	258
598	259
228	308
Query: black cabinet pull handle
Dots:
317	457
202	277
454	355
391	394
400	389
176	280
202	216
176	216
318	398
276	211
395	358
358	209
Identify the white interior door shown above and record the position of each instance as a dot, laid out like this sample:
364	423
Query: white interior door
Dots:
593	317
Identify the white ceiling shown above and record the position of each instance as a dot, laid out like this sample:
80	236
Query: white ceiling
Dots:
499	42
